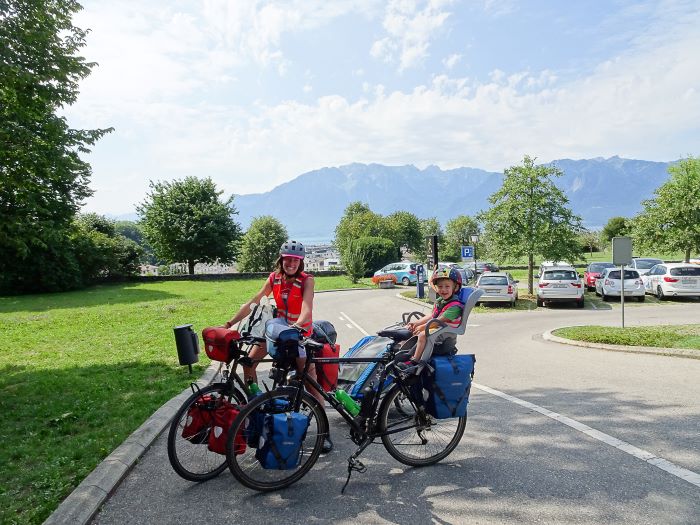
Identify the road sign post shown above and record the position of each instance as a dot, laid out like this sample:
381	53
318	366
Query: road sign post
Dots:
622	255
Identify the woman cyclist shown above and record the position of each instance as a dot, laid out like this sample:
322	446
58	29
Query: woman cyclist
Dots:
293	291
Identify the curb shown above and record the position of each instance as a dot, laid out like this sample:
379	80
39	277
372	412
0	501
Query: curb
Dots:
414	301
82	504
673	352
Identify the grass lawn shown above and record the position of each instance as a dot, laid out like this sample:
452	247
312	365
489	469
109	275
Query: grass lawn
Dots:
82	370
667	336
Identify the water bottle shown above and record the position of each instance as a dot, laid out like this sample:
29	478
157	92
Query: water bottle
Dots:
253	388
349	403
366	403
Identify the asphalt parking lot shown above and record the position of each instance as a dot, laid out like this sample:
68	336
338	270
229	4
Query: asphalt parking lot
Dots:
554	436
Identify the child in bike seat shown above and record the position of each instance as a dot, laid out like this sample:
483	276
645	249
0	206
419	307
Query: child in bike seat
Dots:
448	308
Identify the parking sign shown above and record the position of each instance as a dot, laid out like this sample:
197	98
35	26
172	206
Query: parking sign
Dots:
467	252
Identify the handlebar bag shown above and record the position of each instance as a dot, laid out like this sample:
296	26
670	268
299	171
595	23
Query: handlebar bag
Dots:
218	343
281	440
199	419
222	419
282	341
445	390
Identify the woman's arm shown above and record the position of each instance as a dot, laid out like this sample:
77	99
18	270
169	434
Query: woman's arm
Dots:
307	302
245	309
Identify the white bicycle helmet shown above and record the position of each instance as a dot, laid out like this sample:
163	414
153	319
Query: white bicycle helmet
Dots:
292	248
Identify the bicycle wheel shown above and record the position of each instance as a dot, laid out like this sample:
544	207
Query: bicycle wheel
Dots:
414	437
190	456
247	466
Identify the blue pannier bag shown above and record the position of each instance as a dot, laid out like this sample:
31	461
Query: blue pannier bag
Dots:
445	390
281	440
256	421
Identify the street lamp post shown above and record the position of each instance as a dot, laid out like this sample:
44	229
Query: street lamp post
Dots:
475	240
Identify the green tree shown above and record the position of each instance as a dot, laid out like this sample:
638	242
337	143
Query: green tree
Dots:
132	230
377	252
357	221
404	230
43	179
186	221
615	227
590	240
261	244
529	216
457	233
355	265
670	221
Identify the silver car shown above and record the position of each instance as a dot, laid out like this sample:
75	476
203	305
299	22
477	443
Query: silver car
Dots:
609	284
644	264
498	287
672	280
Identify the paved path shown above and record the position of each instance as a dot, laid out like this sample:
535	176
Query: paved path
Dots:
517	463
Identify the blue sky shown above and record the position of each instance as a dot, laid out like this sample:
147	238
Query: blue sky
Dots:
253	93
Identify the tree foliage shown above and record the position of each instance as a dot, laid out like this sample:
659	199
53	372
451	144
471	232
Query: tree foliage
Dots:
670	221
590	241
261	244
404	230
186	221
357	221
43	180
615	227
458	232
530	216
355	265
377	252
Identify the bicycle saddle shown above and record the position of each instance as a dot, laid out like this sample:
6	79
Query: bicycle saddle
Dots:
397	334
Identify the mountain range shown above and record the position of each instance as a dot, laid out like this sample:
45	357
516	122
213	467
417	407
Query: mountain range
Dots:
311	205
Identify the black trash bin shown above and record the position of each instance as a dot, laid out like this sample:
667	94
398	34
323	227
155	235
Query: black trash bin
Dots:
187	345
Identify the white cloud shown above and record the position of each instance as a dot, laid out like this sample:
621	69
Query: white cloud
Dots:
410	29
452	60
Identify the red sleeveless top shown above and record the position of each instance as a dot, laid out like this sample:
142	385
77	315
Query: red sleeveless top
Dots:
289	296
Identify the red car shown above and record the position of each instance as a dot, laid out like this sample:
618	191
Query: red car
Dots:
592	272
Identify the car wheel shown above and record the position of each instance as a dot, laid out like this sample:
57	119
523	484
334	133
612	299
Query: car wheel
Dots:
596	291
660	294
641	298
605	297
579	304
540	302
405	281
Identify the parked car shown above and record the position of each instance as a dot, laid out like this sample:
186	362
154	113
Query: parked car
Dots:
593	271
548	265
609	284
644	264
695	260
405	272
498	287
673	280
483	267
560	284
466	273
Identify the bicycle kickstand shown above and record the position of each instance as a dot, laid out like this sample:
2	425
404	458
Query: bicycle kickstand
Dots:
355	464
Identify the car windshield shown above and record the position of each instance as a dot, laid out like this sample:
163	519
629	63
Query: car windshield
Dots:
629	274
599	267
560	275
491	281
645	264
686	271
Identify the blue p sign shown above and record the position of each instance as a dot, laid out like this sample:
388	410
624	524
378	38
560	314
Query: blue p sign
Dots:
467	252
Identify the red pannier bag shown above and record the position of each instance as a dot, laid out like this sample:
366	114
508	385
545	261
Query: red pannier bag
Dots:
198	422
217	343
222	418
327	374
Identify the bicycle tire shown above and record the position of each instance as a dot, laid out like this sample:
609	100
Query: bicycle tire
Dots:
246	468
194	461
426	440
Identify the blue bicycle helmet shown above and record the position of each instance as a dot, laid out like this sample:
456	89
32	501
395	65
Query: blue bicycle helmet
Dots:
447	273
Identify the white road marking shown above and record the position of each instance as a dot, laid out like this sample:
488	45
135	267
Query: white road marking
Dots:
353	323
348	325
648	457
594	306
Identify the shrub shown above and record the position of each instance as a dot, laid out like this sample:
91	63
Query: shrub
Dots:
377	252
